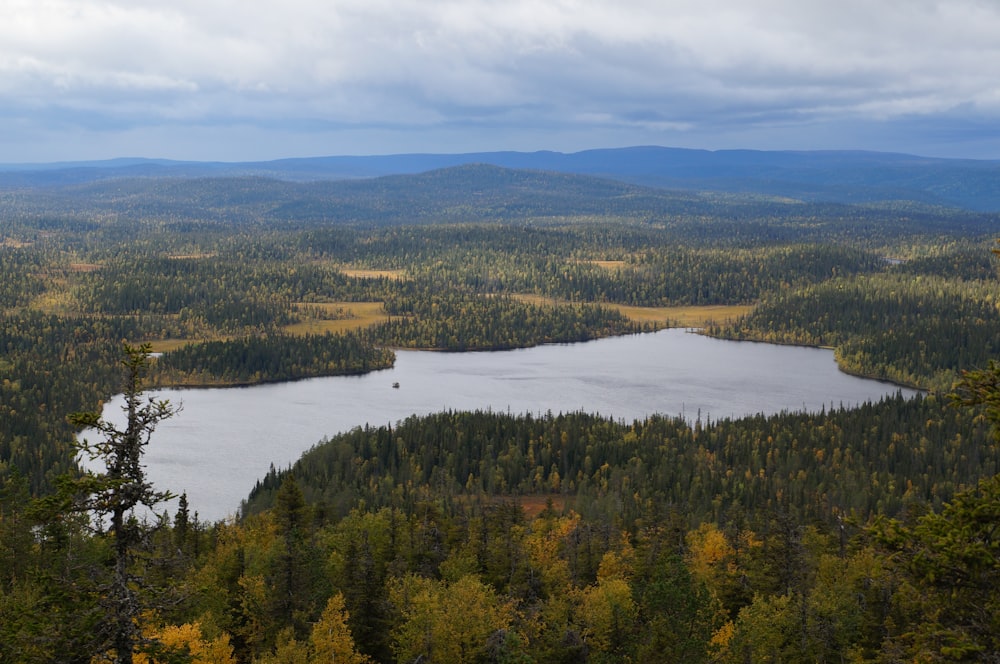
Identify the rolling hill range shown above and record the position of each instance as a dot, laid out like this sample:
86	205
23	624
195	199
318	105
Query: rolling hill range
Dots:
470	193
838	177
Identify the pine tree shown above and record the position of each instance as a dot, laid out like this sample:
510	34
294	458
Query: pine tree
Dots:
112	496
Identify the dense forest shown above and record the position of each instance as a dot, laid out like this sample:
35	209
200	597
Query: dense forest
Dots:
817	467
860	534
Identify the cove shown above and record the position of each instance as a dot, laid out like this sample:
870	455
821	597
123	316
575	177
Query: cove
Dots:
223	440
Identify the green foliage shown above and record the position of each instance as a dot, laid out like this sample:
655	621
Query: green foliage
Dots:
980	387
211	263
450	321
19	281
676	275
915	331
447	622
114	494
949	565
52	366
295	588
411	541
948	562
50	606
870	460
275	357
675	610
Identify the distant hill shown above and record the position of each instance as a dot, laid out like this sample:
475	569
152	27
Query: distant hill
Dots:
467	193
471	193
827	176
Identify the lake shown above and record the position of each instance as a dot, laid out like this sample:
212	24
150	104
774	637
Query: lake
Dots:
224	440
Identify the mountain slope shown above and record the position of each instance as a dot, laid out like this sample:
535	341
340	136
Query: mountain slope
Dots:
843	177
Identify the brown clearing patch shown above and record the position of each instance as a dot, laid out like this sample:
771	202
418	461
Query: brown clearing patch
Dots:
199	254
608	265
693	316
534	504
357	315
164	345
395	275
84	267
700	316
539	300
53	302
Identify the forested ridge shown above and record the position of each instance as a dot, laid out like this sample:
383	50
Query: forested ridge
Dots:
859	534
847	463
919	330
253	360
844	176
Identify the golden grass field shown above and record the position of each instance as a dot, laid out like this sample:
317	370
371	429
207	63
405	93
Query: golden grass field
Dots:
395	275
84	267
54	302
164	345
364	314
194	256
357	315
700	316
534	504
337	317
608	265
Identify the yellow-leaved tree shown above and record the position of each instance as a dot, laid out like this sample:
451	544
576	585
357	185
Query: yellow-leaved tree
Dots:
189	639
331	639
450	622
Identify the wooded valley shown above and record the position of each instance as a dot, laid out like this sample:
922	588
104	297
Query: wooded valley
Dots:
863	534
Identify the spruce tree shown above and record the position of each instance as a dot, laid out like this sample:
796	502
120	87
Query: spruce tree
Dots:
111	497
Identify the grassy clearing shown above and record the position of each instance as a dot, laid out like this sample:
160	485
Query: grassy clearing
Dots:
539	300
700	316
193	256
608	265
343	317
534	504
164	345
394	275
318	318
54	302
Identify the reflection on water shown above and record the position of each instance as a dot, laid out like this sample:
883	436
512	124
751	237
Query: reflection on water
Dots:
225	439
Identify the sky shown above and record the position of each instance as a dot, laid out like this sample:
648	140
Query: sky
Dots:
238	80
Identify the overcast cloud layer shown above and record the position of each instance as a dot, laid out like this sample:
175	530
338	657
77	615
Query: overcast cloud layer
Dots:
236	80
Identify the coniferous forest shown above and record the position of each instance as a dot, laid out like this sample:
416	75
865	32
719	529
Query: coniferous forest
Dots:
864	534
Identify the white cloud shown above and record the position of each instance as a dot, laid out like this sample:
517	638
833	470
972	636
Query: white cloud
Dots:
706	67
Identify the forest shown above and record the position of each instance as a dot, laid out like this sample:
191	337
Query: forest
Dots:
854	534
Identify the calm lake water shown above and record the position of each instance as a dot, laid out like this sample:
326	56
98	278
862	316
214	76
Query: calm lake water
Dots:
224	440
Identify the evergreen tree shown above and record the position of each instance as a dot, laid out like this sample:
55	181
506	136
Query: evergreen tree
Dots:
182	523
297	588
112	496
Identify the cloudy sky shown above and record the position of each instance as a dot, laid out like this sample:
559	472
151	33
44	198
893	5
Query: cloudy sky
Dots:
234	80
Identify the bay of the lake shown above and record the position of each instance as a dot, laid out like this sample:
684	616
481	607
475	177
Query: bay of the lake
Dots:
224	440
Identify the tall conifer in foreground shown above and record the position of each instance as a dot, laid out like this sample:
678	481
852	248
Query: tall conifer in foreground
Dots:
110	498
